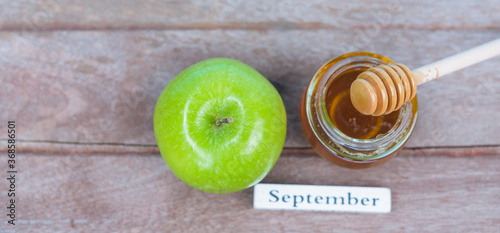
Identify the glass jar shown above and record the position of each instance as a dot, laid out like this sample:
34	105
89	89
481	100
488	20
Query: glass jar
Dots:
330	142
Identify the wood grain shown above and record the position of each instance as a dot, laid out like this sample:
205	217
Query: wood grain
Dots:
81	79
35	15
129	193
101	87
78	148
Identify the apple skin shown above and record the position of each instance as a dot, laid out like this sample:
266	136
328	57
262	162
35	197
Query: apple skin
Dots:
226	158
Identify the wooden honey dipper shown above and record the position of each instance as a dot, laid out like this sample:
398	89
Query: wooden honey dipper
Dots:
385	88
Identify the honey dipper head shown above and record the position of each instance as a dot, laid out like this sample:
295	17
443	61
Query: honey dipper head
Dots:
383	89
363	96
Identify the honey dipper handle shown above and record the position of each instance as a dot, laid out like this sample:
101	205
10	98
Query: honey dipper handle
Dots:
457	62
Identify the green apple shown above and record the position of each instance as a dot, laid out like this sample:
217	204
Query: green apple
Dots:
220	125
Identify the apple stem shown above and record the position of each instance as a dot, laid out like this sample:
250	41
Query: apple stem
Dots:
225	120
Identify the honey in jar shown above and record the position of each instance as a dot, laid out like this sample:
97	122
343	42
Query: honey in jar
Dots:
337	131
349	120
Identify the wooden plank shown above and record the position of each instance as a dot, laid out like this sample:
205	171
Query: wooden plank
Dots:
101	87
58	148
117	193
33	15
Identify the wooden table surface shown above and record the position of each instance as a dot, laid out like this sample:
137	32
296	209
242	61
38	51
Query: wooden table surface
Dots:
81	78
